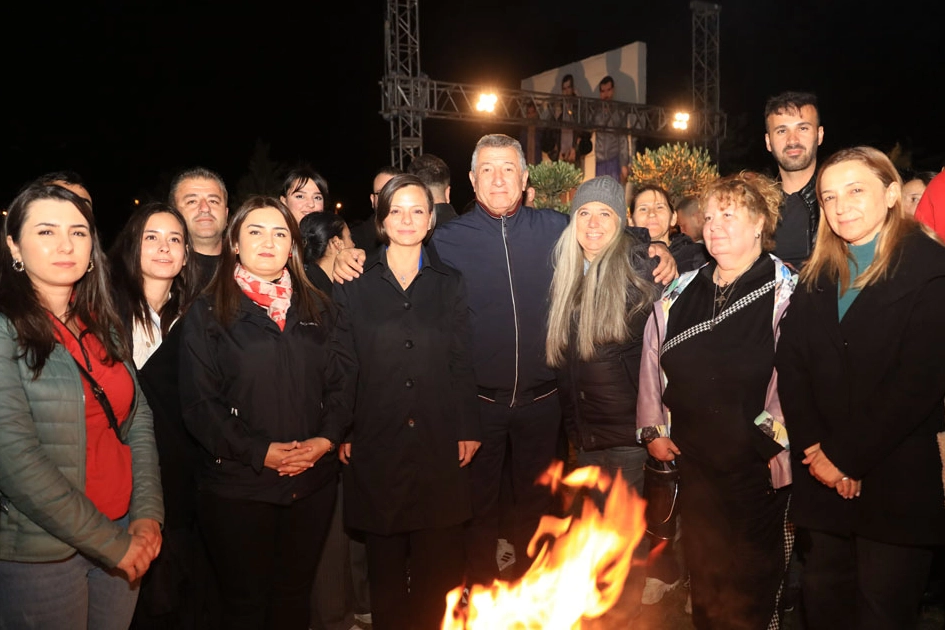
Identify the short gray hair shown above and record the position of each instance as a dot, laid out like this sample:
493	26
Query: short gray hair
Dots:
198	172
499	141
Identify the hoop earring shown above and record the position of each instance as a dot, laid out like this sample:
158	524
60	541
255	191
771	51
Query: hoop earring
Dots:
91	266
18	265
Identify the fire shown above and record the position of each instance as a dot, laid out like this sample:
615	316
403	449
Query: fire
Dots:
577	575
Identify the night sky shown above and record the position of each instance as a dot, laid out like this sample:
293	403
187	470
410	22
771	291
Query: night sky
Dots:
129	93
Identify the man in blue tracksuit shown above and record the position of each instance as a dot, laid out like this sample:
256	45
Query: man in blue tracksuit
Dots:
503	250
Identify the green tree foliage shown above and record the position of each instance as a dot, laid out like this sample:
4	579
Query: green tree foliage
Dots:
681	170
554	182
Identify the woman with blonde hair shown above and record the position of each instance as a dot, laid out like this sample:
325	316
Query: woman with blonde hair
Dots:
708	359
862	379
601	294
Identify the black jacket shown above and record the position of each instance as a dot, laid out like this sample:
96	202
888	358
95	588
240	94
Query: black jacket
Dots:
797	227
688	254
599	397
414	397
870	388
250	384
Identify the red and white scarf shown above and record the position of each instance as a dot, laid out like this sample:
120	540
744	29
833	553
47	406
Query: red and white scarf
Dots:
275	297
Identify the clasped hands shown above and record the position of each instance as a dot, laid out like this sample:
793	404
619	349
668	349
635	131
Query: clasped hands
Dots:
828	474
294	458
144	548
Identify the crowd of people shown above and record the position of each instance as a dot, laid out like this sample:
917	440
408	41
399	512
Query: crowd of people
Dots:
227	414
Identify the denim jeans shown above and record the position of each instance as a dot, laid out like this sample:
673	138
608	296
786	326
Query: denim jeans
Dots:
71	594
629	460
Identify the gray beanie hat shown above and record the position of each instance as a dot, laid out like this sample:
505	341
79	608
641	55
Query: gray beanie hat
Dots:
604	189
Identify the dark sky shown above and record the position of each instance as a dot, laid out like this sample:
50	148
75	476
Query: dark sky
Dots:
128	93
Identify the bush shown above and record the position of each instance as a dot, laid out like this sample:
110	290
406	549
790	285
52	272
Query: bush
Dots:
681	171
554	182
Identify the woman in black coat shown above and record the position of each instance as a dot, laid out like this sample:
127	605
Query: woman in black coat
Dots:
861	365
416	423
262	394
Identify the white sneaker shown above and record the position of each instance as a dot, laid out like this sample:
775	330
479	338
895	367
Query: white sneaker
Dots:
504	554
655	589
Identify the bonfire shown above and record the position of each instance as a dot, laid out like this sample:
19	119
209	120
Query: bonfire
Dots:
581	563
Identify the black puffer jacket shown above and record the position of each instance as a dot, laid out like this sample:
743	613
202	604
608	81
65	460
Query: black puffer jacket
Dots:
599	397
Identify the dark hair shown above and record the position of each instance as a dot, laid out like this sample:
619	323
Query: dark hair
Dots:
387	195
431	170
92	301
651	188
54	178
925	177
388	170
298	177
223	288
790	102
567	78
317	229
608	79
69	177
198	172
128	281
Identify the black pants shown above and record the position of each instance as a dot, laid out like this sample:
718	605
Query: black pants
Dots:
531	433
856	583
264	556
733	542
434	561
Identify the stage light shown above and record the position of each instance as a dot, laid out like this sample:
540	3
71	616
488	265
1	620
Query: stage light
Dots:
487	102
681	121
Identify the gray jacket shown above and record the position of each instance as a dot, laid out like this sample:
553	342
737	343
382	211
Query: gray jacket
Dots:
45	514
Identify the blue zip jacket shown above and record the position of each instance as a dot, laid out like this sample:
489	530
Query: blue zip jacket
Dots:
507	265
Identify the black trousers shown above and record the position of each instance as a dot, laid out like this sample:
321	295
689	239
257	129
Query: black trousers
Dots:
852	582
264	556
733	541
531	434
433	559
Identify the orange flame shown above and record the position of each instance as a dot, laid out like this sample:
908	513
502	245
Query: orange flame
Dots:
578	575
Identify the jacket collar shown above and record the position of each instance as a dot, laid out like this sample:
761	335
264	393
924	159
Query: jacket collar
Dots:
508	215
251	311
428	260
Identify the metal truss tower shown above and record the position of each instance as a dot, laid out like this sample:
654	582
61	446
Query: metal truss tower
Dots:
408	97
402	98
705	67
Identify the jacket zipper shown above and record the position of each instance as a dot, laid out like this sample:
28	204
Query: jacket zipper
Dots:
508	264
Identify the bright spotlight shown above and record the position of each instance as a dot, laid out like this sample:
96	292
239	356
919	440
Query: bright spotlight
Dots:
487	102
681	121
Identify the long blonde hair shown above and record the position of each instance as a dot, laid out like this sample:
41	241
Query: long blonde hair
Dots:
599	304
831	252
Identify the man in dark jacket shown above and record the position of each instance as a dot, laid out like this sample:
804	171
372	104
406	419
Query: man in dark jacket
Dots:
436	175
792	134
